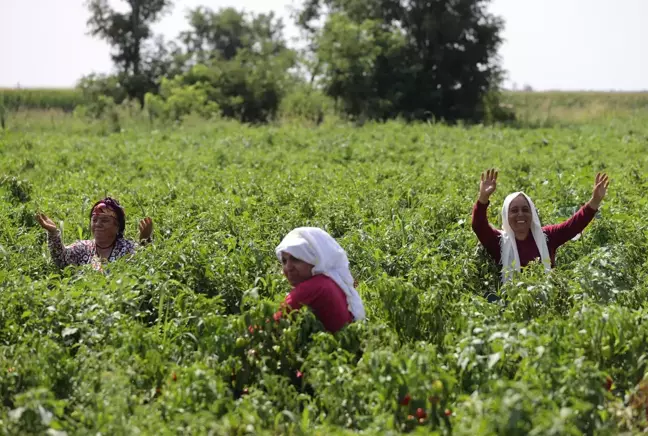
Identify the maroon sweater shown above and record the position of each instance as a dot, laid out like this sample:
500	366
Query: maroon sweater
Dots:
325	298
557	234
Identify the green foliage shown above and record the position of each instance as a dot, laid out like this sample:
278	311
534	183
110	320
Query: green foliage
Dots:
97	108
231	63
103	109
238	63
177	101
247	88
417	60
304	103
19	190
3	114
495	111
351	53
378	60
94	86
225	33
182	338
246	53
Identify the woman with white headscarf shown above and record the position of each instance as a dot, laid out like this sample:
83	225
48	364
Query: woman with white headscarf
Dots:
318	269
523	239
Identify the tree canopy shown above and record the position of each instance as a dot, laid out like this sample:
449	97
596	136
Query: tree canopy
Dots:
416	59
378	59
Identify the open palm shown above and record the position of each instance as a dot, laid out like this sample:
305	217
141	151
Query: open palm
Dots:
145	228
601	183
46	223
488	185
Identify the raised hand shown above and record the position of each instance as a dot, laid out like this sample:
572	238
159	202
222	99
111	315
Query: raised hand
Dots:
601	184
488	185
46	223
145	229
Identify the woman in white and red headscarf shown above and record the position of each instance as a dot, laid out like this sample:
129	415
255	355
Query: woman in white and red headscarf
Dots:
522	238
318	269
107	224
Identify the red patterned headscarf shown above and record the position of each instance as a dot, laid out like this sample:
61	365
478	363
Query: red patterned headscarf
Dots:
102	209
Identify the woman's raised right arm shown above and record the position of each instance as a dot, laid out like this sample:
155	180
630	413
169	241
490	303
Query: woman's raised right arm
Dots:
61	255
487	234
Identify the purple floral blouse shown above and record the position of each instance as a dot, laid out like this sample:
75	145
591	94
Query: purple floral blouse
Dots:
84	252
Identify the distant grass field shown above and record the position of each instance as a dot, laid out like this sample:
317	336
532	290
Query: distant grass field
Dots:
532	109
564	108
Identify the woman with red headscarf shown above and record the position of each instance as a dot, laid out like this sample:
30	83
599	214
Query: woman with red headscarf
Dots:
107	224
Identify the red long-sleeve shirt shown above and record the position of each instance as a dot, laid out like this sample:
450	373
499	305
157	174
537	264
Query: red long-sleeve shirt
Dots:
557	234
325	299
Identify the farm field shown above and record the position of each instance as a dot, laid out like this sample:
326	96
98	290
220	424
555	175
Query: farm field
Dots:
181	337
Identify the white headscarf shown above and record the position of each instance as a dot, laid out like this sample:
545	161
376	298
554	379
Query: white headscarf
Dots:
508	247
313	245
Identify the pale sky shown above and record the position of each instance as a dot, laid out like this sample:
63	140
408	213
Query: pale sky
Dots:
550	44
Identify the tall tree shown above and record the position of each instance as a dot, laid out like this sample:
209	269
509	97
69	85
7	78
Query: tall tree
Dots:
241	59
128	33
411	58
224	33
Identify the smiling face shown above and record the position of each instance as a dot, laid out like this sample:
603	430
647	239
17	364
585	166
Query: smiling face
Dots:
104	228
295	270
520	215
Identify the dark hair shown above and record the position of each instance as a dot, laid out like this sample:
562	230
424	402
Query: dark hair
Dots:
118	209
